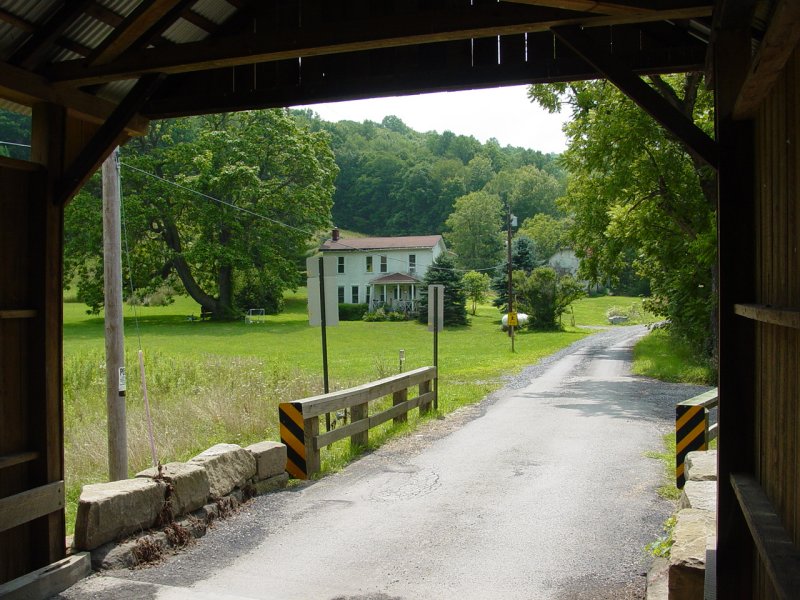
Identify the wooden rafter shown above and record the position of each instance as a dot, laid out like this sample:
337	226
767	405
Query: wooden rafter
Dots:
591	6
28	89
16	21
31	53
431	68
136	25
104	14
199	20
110	135
640	92
428	27
777	46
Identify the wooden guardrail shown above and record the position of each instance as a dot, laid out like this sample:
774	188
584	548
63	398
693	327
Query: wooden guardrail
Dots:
299	420
692	431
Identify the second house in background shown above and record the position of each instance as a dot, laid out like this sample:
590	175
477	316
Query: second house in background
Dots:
382	272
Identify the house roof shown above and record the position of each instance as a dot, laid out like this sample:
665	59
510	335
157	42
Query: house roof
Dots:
395	278
382	243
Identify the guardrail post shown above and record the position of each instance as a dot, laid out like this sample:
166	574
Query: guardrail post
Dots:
691	424
398	398
424	388
299	435
357	413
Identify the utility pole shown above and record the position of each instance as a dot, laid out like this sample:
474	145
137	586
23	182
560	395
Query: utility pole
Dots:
510	284
114	328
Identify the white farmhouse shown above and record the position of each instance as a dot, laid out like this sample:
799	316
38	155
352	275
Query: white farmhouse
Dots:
382	271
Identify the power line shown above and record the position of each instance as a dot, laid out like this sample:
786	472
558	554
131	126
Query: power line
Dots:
270	219
281	223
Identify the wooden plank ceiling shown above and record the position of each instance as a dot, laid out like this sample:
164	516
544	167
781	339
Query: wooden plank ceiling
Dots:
222	55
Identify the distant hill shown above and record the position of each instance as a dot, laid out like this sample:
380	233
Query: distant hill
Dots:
397	181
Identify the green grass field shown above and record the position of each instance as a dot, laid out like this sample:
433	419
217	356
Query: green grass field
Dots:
661	356
221	382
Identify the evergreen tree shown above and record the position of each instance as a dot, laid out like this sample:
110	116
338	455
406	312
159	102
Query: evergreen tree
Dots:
442	272
523	258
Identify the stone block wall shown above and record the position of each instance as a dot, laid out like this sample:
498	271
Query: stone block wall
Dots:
110	511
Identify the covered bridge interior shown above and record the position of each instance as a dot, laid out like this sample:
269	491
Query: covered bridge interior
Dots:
92	73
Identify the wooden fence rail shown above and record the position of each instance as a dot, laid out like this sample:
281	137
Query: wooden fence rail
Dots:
299	420
692	431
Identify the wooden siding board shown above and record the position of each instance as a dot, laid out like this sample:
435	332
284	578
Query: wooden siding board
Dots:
777	346
16	291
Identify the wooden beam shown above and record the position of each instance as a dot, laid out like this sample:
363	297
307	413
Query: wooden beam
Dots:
49	580
110	135
736	345
135	25
19	458
104	14
640	92
31	53
31	504
199	21
201	93
353	36
777	46
775	547
775	315
590	6
26	88
153	35
16	21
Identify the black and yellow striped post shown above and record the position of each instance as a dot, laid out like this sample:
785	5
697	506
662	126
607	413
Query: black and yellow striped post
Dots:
296	434
690	435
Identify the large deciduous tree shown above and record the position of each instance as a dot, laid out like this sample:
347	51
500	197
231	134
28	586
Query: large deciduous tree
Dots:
635	190
253	188
474	234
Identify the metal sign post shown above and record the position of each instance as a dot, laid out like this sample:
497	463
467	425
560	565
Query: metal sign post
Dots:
436	324
322	308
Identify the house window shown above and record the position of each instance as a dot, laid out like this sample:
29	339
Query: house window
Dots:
340	264
384	265
341	294
369	264
354	294
368	290
412	263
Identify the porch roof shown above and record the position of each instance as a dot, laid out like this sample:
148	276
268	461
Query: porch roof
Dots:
395	278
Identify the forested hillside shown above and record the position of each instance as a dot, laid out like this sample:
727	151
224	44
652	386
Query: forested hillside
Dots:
397	181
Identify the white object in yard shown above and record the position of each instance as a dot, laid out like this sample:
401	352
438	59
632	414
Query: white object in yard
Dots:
256	315
522	319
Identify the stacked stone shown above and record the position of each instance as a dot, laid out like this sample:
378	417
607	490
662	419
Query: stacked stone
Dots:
694	536
156	497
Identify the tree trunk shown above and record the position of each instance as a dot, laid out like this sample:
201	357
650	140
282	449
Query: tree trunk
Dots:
184	271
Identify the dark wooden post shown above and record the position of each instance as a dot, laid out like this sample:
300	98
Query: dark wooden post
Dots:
736	344
358	412
399	398
311	431
424	388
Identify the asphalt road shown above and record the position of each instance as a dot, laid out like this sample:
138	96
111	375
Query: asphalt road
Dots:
543	491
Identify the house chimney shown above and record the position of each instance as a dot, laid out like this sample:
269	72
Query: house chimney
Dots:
335	234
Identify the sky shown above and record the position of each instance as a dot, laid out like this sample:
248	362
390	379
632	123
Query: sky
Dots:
502	113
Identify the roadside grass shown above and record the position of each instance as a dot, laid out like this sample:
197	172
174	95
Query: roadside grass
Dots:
591	311
221	382
662	356
669	490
